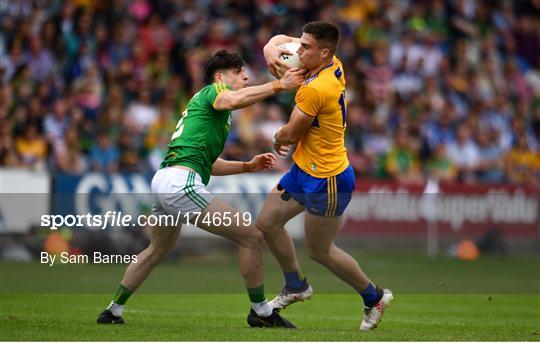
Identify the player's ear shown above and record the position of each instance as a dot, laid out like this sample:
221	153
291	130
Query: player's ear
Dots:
325	53
218	77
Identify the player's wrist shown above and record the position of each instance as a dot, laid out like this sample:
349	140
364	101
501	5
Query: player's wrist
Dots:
277	86
246	167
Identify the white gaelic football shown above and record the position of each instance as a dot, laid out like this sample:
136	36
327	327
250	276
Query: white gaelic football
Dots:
293	60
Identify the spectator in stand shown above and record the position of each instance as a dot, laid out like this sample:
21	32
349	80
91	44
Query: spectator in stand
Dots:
155	36
432	56
405	53
57	121
440	167
490	157
8	153
406	79
67	154
442	128
32	148
463	152
516	85
522	164
88	91
355	139
14	61
104	156
40	60
141	114
379	76
163	126
376	147
129	152
402	161
158	151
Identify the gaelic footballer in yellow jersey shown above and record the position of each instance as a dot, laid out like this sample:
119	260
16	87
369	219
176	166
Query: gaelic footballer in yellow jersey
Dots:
321	152
321	179
321	182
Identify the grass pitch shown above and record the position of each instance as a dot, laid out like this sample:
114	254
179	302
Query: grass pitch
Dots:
486	300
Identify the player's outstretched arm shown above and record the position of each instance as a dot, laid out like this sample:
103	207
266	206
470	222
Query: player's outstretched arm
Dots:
248	96
272	52
257	163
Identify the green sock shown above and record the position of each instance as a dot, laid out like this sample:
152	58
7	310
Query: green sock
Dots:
121	295
256	294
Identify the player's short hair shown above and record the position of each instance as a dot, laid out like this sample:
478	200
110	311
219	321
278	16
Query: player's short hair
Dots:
326	34
221	60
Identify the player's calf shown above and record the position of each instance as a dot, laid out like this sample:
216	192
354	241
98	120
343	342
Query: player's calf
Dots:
162	242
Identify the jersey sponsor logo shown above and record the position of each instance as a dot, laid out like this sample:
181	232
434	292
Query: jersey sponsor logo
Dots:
170	155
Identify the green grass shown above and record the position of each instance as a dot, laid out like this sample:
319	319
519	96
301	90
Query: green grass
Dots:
203	300
331	317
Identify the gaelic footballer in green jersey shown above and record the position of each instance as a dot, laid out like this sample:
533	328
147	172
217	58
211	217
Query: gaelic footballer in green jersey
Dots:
179	186
201	133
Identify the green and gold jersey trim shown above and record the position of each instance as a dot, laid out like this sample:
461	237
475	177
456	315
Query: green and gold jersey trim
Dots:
220	88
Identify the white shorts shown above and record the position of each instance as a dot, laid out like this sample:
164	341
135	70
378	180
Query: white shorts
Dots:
179	190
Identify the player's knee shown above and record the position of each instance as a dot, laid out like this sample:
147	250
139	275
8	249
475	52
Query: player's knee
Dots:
318	254
261	224
253	238
266	226
159	251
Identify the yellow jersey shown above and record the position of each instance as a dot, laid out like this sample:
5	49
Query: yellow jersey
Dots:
321	152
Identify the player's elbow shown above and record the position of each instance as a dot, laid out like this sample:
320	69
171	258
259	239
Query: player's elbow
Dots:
227	103
280	37
217	172
235	103
276	39
290	136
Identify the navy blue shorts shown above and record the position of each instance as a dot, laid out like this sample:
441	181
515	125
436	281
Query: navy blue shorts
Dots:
326	197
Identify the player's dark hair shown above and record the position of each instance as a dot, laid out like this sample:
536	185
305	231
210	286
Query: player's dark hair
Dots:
222	60
326	34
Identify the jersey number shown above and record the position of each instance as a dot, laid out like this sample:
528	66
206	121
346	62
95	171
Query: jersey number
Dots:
341	102
179	126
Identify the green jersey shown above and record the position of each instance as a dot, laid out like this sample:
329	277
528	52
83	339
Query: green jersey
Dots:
200	134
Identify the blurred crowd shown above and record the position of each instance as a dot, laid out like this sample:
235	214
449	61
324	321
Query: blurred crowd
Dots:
448	89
